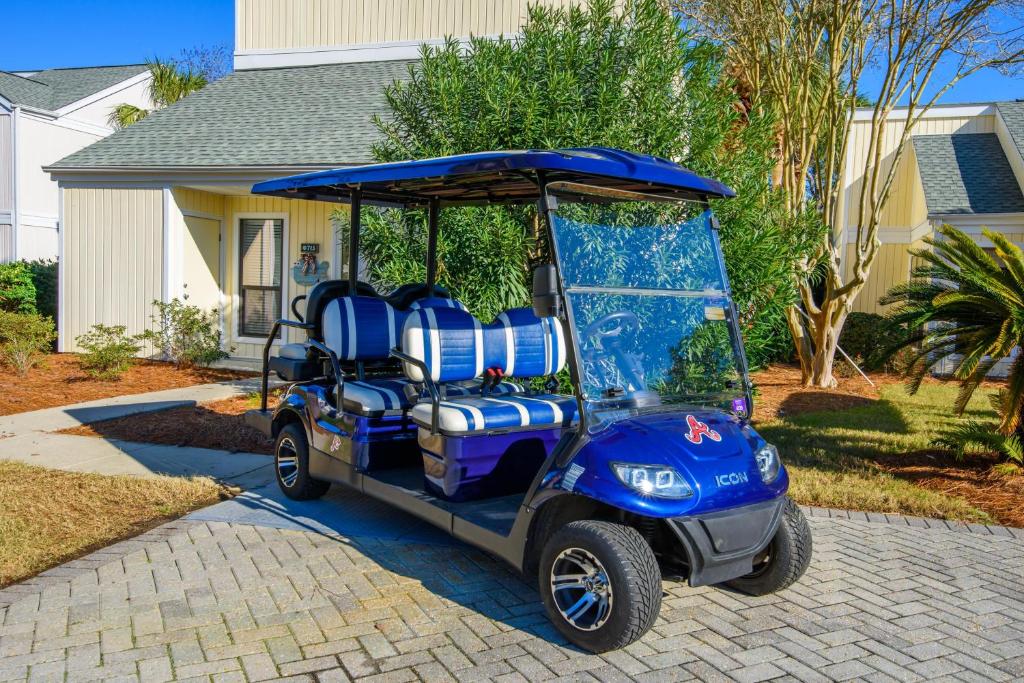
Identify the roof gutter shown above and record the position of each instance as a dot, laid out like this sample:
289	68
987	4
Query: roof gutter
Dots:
180	174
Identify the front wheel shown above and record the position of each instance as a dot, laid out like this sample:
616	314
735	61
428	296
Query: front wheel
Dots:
784	560
291	464
600	584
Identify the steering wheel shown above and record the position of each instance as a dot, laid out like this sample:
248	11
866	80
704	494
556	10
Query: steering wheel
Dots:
601	329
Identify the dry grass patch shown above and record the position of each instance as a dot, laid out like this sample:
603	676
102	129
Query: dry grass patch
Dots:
51	516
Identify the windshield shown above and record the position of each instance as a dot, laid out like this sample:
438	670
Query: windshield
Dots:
648	299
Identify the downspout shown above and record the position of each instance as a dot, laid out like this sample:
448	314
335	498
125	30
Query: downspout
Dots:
15	220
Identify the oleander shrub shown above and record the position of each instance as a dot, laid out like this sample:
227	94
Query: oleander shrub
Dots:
24	339
186	335
17	291
107	351
44	278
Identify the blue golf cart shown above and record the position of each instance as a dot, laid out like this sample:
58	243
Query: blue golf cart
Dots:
596	440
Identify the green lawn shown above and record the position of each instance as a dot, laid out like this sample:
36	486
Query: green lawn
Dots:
832	456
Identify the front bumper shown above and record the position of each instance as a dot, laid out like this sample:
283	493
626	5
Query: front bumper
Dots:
720	546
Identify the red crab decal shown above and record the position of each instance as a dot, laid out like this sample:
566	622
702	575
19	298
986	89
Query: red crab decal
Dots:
698	430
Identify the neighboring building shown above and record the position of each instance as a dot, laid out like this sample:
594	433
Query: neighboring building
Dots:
965	167
44	116
162	209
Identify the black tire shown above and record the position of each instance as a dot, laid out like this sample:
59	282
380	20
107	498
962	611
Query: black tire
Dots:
291	465
633	577
785	559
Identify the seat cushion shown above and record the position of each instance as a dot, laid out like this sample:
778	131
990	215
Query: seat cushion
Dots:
475	387
375	397
294	351
469	414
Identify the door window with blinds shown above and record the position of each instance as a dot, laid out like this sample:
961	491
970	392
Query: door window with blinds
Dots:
261	251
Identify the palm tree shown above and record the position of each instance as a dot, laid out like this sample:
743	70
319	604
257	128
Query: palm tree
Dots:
968	306
169	83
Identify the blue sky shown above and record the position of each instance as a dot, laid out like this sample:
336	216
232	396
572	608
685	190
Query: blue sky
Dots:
52	33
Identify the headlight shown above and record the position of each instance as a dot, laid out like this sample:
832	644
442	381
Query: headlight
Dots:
768	462
653	480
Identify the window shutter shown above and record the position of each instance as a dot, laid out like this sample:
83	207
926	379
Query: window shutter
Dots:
261	251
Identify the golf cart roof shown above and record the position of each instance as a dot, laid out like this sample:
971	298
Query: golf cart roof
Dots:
497	177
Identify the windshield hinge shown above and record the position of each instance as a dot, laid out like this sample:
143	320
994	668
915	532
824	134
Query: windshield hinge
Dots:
551	202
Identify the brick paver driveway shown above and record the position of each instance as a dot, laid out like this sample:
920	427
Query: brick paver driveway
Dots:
195	600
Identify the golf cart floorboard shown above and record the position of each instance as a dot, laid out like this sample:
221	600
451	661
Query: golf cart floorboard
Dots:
497	515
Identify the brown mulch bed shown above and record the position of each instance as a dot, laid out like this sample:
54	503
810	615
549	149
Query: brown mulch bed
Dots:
59	381
780	394
976	479
217	424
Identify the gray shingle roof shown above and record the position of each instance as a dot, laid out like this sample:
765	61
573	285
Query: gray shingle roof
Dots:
302	116
55	88
966	174
1013	117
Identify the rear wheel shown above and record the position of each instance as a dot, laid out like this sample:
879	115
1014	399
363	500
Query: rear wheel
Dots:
291	464
784	560
600	584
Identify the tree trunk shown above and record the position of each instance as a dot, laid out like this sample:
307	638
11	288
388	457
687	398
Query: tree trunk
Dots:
817	340
801	340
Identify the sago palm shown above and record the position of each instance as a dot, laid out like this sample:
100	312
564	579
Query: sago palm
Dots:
967	306
169	83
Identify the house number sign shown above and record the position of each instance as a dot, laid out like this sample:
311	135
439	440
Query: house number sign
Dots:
310	248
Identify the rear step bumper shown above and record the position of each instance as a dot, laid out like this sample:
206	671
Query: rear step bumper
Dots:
262	420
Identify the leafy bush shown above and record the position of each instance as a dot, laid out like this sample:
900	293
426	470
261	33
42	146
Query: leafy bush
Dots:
108	350
186	335
44	277
17	292
981	437
24	337
868	338
574	77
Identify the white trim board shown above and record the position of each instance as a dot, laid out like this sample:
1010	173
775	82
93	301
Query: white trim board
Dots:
140	77
938	111
276	58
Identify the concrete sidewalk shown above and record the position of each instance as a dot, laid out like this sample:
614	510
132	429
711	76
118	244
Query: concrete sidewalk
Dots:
29	438
65	417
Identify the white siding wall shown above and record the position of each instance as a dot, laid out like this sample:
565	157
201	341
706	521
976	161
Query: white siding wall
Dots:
112	265
1013	154
41	143
295	24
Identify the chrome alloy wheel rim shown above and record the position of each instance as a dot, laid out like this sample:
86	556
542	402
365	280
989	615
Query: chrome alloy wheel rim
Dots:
581	589
287	462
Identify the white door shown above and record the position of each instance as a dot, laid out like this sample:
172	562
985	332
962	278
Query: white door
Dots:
202	263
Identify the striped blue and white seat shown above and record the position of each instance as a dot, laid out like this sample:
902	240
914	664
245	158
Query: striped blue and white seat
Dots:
455	347
437	302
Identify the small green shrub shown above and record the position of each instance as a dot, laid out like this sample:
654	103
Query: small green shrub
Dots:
186	335
17	292
108	351
44	277
867	336
24	337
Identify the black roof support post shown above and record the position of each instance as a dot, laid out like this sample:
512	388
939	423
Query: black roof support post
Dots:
433	218
353	240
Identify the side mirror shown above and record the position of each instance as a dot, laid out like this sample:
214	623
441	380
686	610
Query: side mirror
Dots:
546	300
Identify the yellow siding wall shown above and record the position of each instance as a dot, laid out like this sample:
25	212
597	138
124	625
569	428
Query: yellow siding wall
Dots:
197	201
906	204
291	24
306	222
891	266
112	259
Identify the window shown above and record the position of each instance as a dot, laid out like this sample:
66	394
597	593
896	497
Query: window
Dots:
261	251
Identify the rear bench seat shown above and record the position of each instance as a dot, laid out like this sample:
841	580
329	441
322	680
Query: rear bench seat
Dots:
485	445
365	329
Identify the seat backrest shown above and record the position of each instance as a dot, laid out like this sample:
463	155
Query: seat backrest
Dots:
322	294
437	302
361	328
534	347
406	294
455	346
